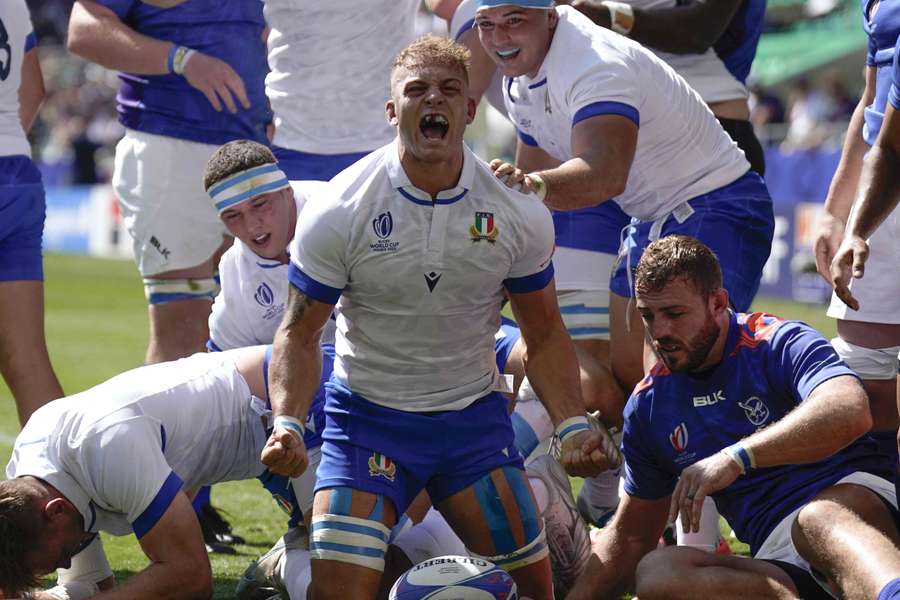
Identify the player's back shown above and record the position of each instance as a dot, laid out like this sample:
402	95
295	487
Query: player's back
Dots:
16	38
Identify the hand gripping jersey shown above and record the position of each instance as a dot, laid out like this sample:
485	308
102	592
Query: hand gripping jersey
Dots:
419	284
591	71
230	30
118	451
16	38
881	21
769	366
330	61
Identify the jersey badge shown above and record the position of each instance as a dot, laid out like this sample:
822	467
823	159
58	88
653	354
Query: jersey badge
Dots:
679	438
381	466
755	410
383	225
264	296
484	228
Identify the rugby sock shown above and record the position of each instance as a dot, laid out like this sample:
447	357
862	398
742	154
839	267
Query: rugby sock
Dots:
202	498
708	537
530	421
891	591
295	572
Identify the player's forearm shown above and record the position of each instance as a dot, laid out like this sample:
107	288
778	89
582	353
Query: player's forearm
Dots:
846	178
294	372
164	580
31	90
552	369
610	570
97	34
834	415
879	190
689	29
575	184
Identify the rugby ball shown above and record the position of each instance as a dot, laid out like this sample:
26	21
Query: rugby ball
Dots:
455	578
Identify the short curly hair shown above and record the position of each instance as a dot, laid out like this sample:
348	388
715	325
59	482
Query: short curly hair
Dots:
20	526
233	157
433	50
676	257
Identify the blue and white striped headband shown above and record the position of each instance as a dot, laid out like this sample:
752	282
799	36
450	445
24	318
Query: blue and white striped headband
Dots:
243	185
522	3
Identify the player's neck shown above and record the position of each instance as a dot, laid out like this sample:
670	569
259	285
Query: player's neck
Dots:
432	177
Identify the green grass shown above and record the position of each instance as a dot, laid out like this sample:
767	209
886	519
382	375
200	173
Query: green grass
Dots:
97	327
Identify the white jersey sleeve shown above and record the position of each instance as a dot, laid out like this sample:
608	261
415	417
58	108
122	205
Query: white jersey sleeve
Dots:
535	243
318	252
606	89
228	326
125	466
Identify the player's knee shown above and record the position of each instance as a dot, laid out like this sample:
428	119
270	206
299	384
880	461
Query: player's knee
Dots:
662	571
868	363
165	291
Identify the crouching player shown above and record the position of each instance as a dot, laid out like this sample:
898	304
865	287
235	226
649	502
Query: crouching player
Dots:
259	207
763	416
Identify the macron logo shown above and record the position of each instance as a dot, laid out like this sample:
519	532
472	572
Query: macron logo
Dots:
432	280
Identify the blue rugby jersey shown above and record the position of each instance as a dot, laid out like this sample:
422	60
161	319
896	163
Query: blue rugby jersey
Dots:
737	45
894	95
770	366
230	30
881	21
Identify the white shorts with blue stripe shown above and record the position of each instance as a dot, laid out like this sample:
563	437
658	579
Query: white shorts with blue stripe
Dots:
582	284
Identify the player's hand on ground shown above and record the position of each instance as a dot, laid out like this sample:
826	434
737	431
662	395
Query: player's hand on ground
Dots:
217	80
849	260
585	454
699	480
828	238
284	453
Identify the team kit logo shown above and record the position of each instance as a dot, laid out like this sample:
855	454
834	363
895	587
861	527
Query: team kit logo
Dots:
383	226
381	466
755	410
484	228
265	297
679	438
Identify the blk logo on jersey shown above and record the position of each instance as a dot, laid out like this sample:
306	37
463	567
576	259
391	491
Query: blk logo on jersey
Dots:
383	225
679	438
381	466
484	228
756	410
432	280
264	296
709	399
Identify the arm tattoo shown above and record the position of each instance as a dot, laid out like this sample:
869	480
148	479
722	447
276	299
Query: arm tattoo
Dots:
297	304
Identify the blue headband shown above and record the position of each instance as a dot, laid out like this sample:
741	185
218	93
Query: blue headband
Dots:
522	3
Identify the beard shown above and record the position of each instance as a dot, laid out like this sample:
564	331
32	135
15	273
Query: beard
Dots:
696	349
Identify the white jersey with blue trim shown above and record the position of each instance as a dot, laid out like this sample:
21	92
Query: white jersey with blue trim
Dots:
419	284
329	63
254	291
118	451
16	38
682	151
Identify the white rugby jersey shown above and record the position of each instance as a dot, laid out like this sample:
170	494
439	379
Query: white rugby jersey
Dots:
682	151
16	38
119	451
254	291
420	282
705	72
330	62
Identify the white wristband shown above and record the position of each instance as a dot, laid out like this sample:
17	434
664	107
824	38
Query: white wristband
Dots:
741	455
621	16
570	427
291	423
538	185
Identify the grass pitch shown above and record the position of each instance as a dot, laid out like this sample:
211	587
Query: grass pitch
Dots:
97	327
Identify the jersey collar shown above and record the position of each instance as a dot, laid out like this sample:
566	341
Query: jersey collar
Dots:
400	181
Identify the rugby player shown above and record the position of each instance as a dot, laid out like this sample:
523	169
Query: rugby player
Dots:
413	252
24	362
868	309
762	415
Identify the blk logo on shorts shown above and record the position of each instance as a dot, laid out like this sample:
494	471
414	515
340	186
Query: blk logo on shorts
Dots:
264	296
679	438
381	466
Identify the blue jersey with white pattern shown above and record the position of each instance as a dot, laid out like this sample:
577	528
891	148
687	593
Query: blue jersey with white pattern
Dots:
737	45
230	30
769	366
881	21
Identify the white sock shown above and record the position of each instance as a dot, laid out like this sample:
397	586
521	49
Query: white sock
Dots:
708	537
430	538
296	573
541	493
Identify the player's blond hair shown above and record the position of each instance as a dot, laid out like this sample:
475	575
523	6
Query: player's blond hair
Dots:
234	157
432	50
676	257
19	534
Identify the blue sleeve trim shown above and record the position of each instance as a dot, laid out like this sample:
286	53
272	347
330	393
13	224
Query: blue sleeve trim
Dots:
529	283
526	139
311	287
211	346
158	506
607	108
465	27
31	41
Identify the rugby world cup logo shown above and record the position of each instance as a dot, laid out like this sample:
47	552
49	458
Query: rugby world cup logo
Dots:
383	225
264	296
679	438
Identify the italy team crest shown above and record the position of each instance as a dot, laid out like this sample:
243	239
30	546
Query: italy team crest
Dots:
484	228
381	465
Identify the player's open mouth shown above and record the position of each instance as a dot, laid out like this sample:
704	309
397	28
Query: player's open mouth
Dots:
261	240
434	126
668	348
508	54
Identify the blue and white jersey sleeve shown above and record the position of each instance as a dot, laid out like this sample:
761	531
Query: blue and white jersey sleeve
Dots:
532	267
610	88
319	250
894	96
800	359
128	472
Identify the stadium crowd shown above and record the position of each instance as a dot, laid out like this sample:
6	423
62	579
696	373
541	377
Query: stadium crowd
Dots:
329	271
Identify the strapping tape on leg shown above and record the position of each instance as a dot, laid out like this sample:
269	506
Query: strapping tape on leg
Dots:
530	553
868	363
161	291
338	536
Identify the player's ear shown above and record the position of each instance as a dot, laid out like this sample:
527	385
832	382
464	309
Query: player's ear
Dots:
55	508
390	110
719	300
471	109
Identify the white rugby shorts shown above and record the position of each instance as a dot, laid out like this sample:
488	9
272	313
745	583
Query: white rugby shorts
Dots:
159	183
582	284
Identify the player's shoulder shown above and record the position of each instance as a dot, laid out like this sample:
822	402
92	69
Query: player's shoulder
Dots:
368	175
513	201
761	329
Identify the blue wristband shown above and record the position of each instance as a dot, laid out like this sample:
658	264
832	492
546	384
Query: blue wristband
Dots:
170	60
739	453
290	423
